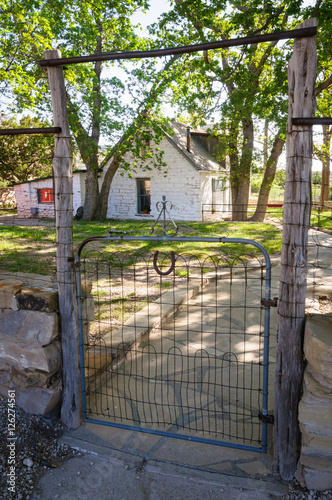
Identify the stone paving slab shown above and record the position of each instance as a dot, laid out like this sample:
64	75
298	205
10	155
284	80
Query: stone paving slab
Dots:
193	463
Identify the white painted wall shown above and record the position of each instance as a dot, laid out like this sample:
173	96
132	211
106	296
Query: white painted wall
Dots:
27	198
181	186
78	190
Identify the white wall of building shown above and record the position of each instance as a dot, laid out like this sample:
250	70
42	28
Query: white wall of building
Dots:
26	195
181	187
27	199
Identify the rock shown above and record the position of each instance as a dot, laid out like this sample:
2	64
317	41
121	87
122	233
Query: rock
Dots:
323	464
28	462
318	344
29	327
86	287
88	309
316	480
38	401
312	386
316	414
319	445
5	375
35	357
9	288
326	382
31	378
38	299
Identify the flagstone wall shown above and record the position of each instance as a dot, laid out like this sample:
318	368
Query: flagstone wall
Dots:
30	349
315	409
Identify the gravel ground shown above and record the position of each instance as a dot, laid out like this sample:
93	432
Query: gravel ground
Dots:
29	445
37	449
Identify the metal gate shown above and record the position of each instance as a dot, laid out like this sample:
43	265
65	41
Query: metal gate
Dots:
174	342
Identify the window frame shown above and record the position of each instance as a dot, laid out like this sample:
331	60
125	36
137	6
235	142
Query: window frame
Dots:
143	197
218	185
43	193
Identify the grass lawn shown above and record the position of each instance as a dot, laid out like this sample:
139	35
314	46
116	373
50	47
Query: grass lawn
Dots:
33	249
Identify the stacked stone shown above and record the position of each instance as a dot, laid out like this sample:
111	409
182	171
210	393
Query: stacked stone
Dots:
315	409
30	350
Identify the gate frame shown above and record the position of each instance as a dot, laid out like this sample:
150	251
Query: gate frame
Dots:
266	302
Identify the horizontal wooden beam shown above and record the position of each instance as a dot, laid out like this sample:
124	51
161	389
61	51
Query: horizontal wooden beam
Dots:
187	49
312	121
30	131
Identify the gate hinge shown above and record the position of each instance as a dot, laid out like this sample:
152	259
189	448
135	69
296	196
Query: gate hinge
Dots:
270	303
266	419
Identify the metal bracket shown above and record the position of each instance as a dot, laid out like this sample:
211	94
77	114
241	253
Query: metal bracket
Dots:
270	303
266	419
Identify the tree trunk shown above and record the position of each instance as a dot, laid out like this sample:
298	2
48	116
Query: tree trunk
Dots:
240	171
91	193
102	201
293	271
268	178
325	157
240	198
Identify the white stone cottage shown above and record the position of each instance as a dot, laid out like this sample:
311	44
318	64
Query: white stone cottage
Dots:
34	199
196	184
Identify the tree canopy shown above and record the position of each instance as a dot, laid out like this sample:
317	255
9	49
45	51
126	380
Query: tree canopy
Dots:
235	87
25	157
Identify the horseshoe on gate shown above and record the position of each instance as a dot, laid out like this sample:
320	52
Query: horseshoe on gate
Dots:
155	265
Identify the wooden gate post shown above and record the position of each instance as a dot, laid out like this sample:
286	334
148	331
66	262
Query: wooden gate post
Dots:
63	198
293	273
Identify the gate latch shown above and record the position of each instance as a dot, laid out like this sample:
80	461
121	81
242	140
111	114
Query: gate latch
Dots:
266	419
270	303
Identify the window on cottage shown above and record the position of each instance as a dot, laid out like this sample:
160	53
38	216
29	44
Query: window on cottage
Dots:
45	196
218	185
143	196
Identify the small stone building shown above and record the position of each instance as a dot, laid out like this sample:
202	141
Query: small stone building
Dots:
196	183
35	198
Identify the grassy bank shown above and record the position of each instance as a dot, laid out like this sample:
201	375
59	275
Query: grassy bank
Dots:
33	249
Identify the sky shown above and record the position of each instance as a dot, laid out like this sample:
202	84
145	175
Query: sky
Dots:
157	7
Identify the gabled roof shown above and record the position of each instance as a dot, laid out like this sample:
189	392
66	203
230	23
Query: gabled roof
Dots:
199	157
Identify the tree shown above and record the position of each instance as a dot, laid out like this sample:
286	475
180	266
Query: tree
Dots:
237	87
25	157
93	99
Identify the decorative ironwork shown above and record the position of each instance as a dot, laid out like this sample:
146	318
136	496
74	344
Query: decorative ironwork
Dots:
178	347
164	225
155	264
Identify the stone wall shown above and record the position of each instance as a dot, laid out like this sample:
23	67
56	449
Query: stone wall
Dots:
315	409
27	199
30	350
181	186
26	195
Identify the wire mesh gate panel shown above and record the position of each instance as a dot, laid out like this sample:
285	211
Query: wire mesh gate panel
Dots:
175	343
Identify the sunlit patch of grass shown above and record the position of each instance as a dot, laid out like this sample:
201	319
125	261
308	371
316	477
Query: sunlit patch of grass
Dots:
32	249
165	284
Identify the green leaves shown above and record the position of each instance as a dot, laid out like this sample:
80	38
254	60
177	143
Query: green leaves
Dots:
24	157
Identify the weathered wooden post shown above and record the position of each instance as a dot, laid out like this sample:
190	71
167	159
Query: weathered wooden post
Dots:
63	197
293	274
